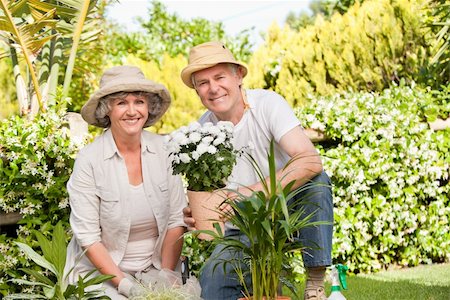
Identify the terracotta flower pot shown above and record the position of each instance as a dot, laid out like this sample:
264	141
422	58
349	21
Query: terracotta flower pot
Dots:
204	206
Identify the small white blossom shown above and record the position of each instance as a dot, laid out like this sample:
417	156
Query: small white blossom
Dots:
202	148
207	140
184	157
194	137
212	149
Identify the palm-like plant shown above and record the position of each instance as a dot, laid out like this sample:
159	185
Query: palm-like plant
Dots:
54	260
439	22
270	219
39	32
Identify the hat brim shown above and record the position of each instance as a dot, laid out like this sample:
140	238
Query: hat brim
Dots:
186	73
142	85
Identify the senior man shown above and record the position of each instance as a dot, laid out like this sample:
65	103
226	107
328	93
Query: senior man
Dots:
259	116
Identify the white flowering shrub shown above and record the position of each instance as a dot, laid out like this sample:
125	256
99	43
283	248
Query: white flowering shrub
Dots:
203	154
36	159
390	176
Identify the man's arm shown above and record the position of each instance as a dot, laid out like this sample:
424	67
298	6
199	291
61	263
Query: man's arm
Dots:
305	165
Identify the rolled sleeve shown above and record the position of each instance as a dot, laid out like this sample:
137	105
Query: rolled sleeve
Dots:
84	203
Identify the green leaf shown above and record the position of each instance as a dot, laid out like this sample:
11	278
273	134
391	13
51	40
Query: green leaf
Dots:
39	277
36	257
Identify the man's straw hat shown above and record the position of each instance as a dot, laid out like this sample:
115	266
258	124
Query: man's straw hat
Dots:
205	56
125	79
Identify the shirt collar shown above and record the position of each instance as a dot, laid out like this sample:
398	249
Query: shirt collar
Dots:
110	147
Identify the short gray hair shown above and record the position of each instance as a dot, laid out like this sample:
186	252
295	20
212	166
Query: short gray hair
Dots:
233	68
154	103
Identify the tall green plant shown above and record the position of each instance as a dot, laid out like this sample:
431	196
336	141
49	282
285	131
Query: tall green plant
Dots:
439	23
54	260
40	31
270	219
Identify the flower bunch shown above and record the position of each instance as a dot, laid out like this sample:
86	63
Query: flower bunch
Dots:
203	154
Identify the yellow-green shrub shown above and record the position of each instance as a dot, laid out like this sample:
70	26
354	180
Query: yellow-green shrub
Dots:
365	49
8	102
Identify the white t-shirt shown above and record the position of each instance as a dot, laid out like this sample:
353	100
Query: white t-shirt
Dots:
269	117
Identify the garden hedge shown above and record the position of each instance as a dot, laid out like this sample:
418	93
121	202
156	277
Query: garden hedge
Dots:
390	175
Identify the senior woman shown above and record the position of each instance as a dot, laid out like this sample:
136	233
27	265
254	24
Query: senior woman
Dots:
126	206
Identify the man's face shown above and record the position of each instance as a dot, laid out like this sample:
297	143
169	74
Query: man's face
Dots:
219	90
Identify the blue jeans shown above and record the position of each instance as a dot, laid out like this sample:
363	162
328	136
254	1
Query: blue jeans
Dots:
218	279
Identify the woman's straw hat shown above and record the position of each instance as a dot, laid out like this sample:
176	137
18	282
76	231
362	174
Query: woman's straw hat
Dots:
205	56
125	79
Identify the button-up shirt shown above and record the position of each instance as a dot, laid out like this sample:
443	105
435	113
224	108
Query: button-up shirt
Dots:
98	194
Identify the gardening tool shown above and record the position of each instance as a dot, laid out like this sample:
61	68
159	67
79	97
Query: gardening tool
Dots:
338	273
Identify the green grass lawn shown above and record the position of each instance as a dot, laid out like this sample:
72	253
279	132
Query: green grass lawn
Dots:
427	282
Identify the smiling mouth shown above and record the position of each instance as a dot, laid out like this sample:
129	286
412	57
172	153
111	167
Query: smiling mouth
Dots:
131	121
217	98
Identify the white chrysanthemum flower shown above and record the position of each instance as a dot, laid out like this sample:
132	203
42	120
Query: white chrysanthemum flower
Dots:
179	137
195	155
202	148
218	141
212	149
227	126
195	137
207	140
213	130
184	157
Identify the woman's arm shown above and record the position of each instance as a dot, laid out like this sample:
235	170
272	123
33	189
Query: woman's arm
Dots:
100	258
171	248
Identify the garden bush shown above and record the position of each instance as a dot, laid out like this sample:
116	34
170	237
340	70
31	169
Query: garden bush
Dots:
36	160
367	48
390	173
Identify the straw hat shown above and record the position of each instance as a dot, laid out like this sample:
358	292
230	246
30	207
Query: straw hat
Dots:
125	79
205	56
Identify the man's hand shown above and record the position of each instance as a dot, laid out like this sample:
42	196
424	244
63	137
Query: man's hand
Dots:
188	219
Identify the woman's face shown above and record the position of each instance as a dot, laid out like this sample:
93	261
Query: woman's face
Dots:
128	115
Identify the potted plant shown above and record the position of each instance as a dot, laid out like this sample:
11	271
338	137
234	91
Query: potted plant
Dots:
204	156
270	222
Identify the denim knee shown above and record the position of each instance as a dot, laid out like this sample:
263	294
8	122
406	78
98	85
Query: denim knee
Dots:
317	199
219	280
